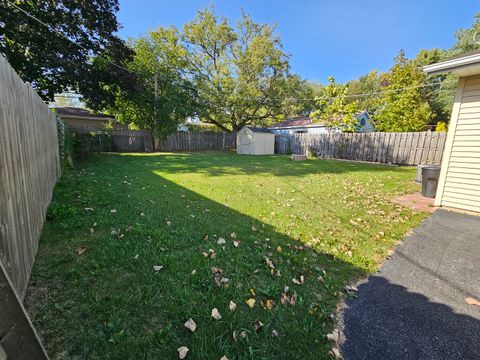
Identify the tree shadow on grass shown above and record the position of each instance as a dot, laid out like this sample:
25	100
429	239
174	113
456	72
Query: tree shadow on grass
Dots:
107	302
223	163
387	321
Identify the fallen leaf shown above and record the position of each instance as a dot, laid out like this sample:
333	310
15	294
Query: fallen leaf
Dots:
254	228
349	288
252	291
335	353
320	279
221	241
205	237
269	304
258	325
233	235
217	276
190	325
88	209
472	301
81	250
193	272
232	306
168	223
224	358
274	333
157	268
113	211
251	303
243	334
334	336
135	257
182	352
236	243
216	314
299	282
279	248
92	230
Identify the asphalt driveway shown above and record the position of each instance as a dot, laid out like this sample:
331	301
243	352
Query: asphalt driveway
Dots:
414	307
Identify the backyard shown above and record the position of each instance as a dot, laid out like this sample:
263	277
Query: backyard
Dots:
136	244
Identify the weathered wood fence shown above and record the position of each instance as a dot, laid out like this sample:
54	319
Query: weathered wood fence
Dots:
29	169
409	148
139	141
197	141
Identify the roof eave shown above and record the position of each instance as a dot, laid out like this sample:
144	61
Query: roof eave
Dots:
458	65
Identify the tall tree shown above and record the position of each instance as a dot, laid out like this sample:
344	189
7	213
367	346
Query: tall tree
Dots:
366	84
402	104
239	71
335	109
54	53
164	97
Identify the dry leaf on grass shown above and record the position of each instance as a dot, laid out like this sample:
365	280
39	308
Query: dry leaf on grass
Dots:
224	358
217	276
157	268
216	314
233	235
350	288
258	325
472	301
190	325
299	282
268	304
232	306
236	243
168	223
113	211
334	336
251	303
335	353
81	250
182	352
221	241
88	209
135	257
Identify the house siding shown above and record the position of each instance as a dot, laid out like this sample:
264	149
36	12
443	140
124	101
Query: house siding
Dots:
459	184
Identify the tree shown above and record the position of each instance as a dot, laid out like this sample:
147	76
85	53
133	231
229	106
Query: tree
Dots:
366	84
56	57
239	72
298	97
335	109
402	104
165	97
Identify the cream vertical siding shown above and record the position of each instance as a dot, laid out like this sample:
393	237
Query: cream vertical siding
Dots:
459	184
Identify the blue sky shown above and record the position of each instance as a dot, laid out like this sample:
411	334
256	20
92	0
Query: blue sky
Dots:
343	38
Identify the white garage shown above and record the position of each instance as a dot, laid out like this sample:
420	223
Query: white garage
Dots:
255	141
459	183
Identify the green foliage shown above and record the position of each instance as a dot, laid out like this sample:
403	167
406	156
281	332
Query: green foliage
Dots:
165	97
403	108
66	145
334	109
239	72
51	63
366	84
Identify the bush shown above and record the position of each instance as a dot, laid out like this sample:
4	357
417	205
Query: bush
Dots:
66	145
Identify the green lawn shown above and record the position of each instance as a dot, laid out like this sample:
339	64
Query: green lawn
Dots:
94	293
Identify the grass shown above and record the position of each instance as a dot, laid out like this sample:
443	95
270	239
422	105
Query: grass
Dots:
95	295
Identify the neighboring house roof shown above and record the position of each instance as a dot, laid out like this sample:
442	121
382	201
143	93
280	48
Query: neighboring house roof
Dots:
73	112
303	121
466	64
259	130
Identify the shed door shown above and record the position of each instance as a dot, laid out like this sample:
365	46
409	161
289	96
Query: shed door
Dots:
459	185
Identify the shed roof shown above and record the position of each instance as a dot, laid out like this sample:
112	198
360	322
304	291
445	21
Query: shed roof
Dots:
74	112
466	64
259	130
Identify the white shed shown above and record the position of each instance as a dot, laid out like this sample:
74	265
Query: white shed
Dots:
459	183
255	141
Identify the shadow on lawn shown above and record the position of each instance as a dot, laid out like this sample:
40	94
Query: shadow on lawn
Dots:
278	165
108	302
387	321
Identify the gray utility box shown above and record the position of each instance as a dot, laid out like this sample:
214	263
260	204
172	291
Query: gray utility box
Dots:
430	176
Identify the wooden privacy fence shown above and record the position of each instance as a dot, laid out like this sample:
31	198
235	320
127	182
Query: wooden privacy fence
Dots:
29	168
197	141
409	148
139	141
